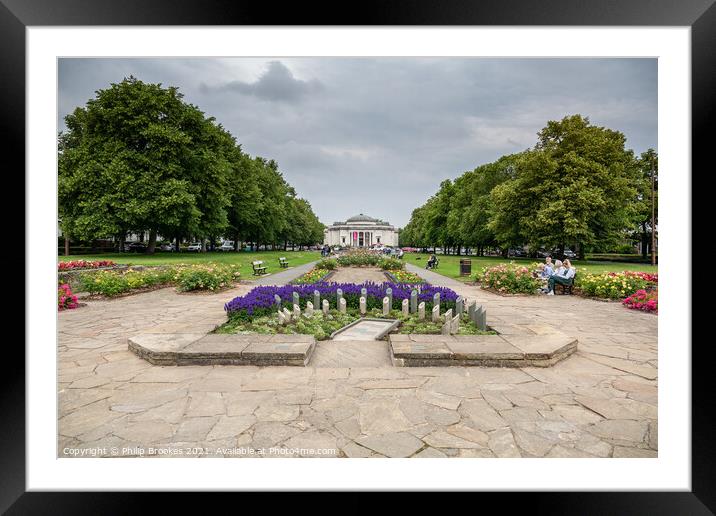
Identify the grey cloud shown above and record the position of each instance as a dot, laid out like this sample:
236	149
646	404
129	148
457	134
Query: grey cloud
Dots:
378	135
277	83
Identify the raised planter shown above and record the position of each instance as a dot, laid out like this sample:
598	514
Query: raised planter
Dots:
223	349
518	350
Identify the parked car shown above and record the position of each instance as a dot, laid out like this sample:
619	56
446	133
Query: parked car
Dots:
568	253
136	247
194	247
226	245
166	247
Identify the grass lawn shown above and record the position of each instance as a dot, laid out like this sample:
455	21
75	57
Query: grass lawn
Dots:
450	265
244	259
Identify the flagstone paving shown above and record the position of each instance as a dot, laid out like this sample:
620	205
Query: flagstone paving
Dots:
599	402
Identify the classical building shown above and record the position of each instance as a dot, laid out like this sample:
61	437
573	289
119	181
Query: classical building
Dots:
361	231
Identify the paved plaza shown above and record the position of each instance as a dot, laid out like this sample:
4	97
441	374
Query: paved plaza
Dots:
350	401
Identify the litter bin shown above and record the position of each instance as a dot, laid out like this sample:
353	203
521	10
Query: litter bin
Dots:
465	267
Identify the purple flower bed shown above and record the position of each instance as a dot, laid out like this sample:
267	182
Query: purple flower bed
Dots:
260	301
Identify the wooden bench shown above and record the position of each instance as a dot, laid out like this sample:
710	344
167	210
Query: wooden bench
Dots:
565	289
259	268
283	262
435	266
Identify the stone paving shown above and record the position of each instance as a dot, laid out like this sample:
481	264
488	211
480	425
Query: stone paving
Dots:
599	402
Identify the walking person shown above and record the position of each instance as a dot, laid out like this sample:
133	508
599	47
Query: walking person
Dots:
563	275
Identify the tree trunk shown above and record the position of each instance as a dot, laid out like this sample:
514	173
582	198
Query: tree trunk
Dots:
285	245
67	246
121	242
177	248
580	251
151	246
644	240
560	251
236	241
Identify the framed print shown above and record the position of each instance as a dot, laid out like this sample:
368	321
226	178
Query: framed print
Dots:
420	233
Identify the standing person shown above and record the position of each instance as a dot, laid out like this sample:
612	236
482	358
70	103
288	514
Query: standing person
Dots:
400	253
563	275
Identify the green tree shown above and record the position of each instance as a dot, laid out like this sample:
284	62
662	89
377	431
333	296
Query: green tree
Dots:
576	186
138	158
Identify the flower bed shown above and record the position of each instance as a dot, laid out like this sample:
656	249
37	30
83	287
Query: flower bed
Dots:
209	276
614	285
260	300
84	264
361	259
321	327
313	276
66	300
510	278
647	301
400	276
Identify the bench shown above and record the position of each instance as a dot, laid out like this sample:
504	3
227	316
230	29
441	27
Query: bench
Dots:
435	265
283	262
259	268
565	289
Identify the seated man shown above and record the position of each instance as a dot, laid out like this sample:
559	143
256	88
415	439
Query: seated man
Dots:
563	275
431	262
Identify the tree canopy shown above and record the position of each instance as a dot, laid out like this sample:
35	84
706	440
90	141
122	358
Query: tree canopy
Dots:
139	158
577	186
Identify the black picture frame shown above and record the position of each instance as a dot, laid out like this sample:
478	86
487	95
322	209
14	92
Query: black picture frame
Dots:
16	15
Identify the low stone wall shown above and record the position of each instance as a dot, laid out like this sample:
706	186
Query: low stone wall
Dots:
480	350
223	349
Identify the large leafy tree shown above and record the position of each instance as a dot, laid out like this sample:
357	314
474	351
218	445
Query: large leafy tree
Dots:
576	186
137	158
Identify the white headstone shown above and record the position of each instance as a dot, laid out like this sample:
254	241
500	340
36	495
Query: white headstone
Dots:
342	305
296	312
448	315
281	318
406	307
362	305
446	328
309	309
455	324
386	306
287	314
421	310
436	313
325	306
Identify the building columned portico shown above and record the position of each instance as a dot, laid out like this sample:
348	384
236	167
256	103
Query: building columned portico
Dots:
361	231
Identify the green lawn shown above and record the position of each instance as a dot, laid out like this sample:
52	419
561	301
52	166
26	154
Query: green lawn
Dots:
244	259
450	265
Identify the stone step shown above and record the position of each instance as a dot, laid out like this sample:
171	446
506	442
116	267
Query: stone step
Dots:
223	349
480	350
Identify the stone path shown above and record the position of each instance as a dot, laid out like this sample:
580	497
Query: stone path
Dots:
433	277
284	276
358	275
600	402
365	330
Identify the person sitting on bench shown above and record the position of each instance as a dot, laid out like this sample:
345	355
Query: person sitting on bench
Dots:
432	262
563	275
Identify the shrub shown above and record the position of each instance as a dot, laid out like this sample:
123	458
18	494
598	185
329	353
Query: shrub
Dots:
66	300
647	301
614	285
186	277
390	264
358	259
327	264
510	278
210	276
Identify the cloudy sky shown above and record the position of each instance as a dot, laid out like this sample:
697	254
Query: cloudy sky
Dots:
378	135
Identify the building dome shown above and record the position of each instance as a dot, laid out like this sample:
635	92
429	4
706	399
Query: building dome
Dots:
362	218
